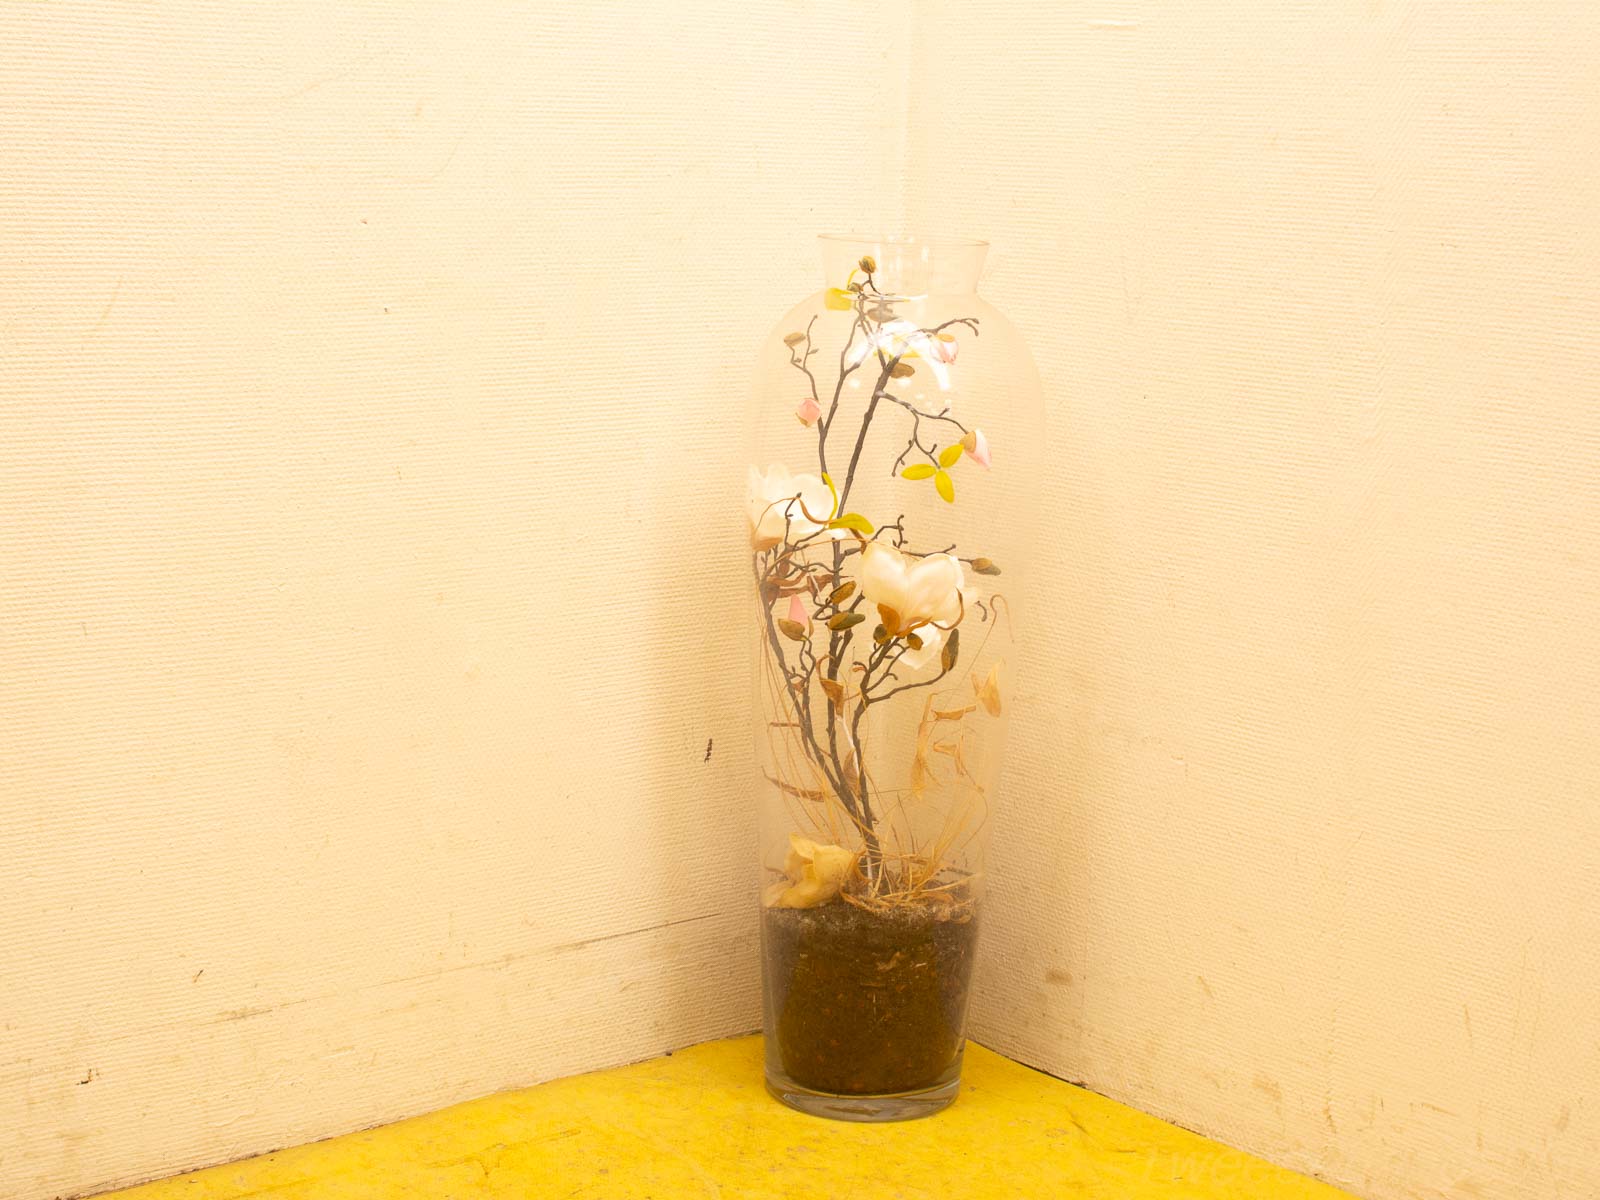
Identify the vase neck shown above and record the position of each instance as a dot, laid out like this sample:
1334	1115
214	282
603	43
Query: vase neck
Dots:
904	266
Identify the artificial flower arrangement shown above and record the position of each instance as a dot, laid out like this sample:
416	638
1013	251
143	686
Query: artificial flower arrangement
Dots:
869	923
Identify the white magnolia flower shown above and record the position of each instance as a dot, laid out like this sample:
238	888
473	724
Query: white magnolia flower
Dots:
774	509
932	643
911	592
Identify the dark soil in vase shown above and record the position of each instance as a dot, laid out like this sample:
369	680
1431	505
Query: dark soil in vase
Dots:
868	1002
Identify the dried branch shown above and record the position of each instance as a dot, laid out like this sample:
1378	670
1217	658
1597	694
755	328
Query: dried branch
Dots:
792	567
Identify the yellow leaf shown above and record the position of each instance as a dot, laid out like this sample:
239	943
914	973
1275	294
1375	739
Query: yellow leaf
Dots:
839	301
853	521
948	456
835	691
946	486
918	471
842	592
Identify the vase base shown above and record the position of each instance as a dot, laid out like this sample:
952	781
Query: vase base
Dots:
899	1106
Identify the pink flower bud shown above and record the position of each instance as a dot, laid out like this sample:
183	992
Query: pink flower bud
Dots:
808	410
978	452
797	611
944	351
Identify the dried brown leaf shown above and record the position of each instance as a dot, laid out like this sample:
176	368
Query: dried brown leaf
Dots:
890	619
988	692
951	651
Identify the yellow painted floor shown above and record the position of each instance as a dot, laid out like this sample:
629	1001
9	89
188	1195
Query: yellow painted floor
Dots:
700	1124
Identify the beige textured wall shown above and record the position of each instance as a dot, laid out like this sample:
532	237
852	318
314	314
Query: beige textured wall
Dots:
1302	847
364	378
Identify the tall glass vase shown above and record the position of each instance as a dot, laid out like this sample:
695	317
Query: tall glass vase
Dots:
899	422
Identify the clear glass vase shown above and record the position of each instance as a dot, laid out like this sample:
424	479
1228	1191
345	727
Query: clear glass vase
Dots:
898	421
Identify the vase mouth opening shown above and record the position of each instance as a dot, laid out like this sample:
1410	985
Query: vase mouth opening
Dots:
904	266
907	239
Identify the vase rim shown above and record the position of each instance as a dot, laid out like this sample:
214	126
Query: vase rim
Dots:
906	266
907	239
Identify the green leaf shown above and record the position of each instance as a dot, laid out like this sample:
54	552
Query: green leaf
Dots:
792	630
948	456
950	652
918	471
914	640
985	566
839	301
853	521
946	486
842	592
845	620
880	635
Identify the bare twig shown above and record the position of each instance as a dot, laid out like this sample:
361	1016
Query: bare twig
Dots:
791	567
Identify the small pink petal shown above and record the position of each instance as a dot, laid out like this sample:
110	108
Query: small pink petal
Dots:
944	351
808	410
980	449
797	611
